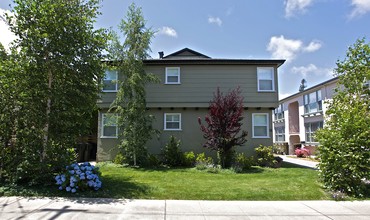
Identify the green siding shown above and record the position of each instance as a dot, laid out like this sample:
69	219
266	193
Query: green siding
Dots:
199	82
191	137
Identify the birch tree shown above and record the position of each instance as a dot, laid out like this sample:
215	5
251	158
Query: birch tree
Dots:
135	124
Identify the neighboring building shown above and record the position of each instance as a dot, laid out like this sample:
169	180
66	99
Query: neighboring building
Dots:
298	116
188	81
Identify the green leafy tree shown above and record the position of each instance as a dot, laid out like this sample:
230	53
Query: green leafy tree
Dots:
135	124
344	140
59	54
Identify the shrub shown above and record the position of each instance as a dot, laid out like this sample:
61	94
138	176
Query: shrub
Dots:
214	169
202	162
153	160
302	152
79	177
265	156
119	159
172	155
242	162
189	159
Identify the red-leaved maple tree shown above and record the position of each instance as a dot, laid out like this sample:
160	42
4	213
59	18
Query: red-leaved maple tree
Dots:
223	124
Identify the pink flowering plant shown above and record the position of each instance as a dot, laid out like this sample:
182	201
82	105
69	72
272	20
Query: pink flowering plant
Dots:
302	152
79	177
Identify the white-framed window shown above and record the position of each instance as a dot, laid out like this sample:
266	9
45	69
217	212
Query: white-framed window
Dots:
310	129
172	121
280	134
172	75
279	112
110	83
260	125
109	125
312	102
265	77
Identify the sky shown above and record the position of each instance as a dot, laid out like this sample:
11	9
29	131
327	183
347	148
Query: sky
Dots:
312	35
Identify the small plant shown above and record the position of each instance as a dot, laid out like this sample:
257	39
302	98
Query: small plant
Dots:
79	177
189	159
339	196
172	155
302	152
214	169
265	156
242	163
202	162
119	159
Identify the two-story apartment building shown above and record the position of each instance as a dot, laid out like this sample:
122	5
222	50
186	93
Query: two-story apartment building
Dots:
188	81
298	116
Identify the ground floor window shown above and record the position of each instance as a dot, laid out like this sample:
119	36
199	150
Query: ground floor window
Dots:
280	134
310	129
109	125
260	124
172	121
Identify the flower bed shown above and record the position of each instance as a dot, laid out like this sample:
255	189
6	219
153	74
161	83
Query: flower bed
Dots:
79	177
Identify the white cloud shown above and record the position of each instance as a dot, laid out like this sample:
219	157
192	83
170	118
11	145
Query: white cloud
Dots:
313	46
312	69
6	36
215	20
360	7
296	6
282	48
167	31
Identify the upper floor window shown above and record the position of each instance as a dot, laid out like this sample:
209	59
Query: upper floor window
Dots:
172	75
279	112
280	134
260	123
312	102
172	121
109	125
110	81
265	77
311	129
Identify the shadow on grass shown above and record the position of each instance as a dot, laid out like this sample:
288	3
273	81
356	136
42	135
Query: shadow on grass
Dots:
292	165
120	188
113	187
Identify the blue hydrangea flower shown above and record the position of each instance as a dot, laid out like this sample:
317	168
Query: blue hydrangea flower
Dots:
73	190
68	188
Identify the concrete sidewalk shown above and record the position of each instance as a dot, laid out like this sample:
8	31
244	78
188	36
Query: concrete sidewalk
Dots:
300	162
83	208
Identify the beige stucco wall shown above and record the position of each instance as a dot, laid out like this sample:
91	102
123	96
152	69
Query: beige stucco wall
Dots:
191	137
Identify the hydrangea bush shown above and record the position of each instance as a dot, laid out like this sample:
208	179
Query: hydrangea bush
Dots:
79	177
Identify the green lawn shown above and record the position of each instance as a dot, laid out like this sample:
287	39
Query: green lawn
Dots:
287	183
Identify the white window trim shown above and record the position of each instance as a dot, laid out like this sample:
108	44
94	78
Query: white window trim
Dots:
165	122
173	83
273	79
267	127
102	127
116	83
309	142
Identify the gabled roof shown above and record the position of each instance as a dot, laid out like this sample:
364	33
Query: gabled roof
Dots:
186	53
189	56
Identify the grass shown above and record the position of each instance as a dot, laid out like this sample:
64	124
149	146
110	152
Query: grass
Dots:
287	183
